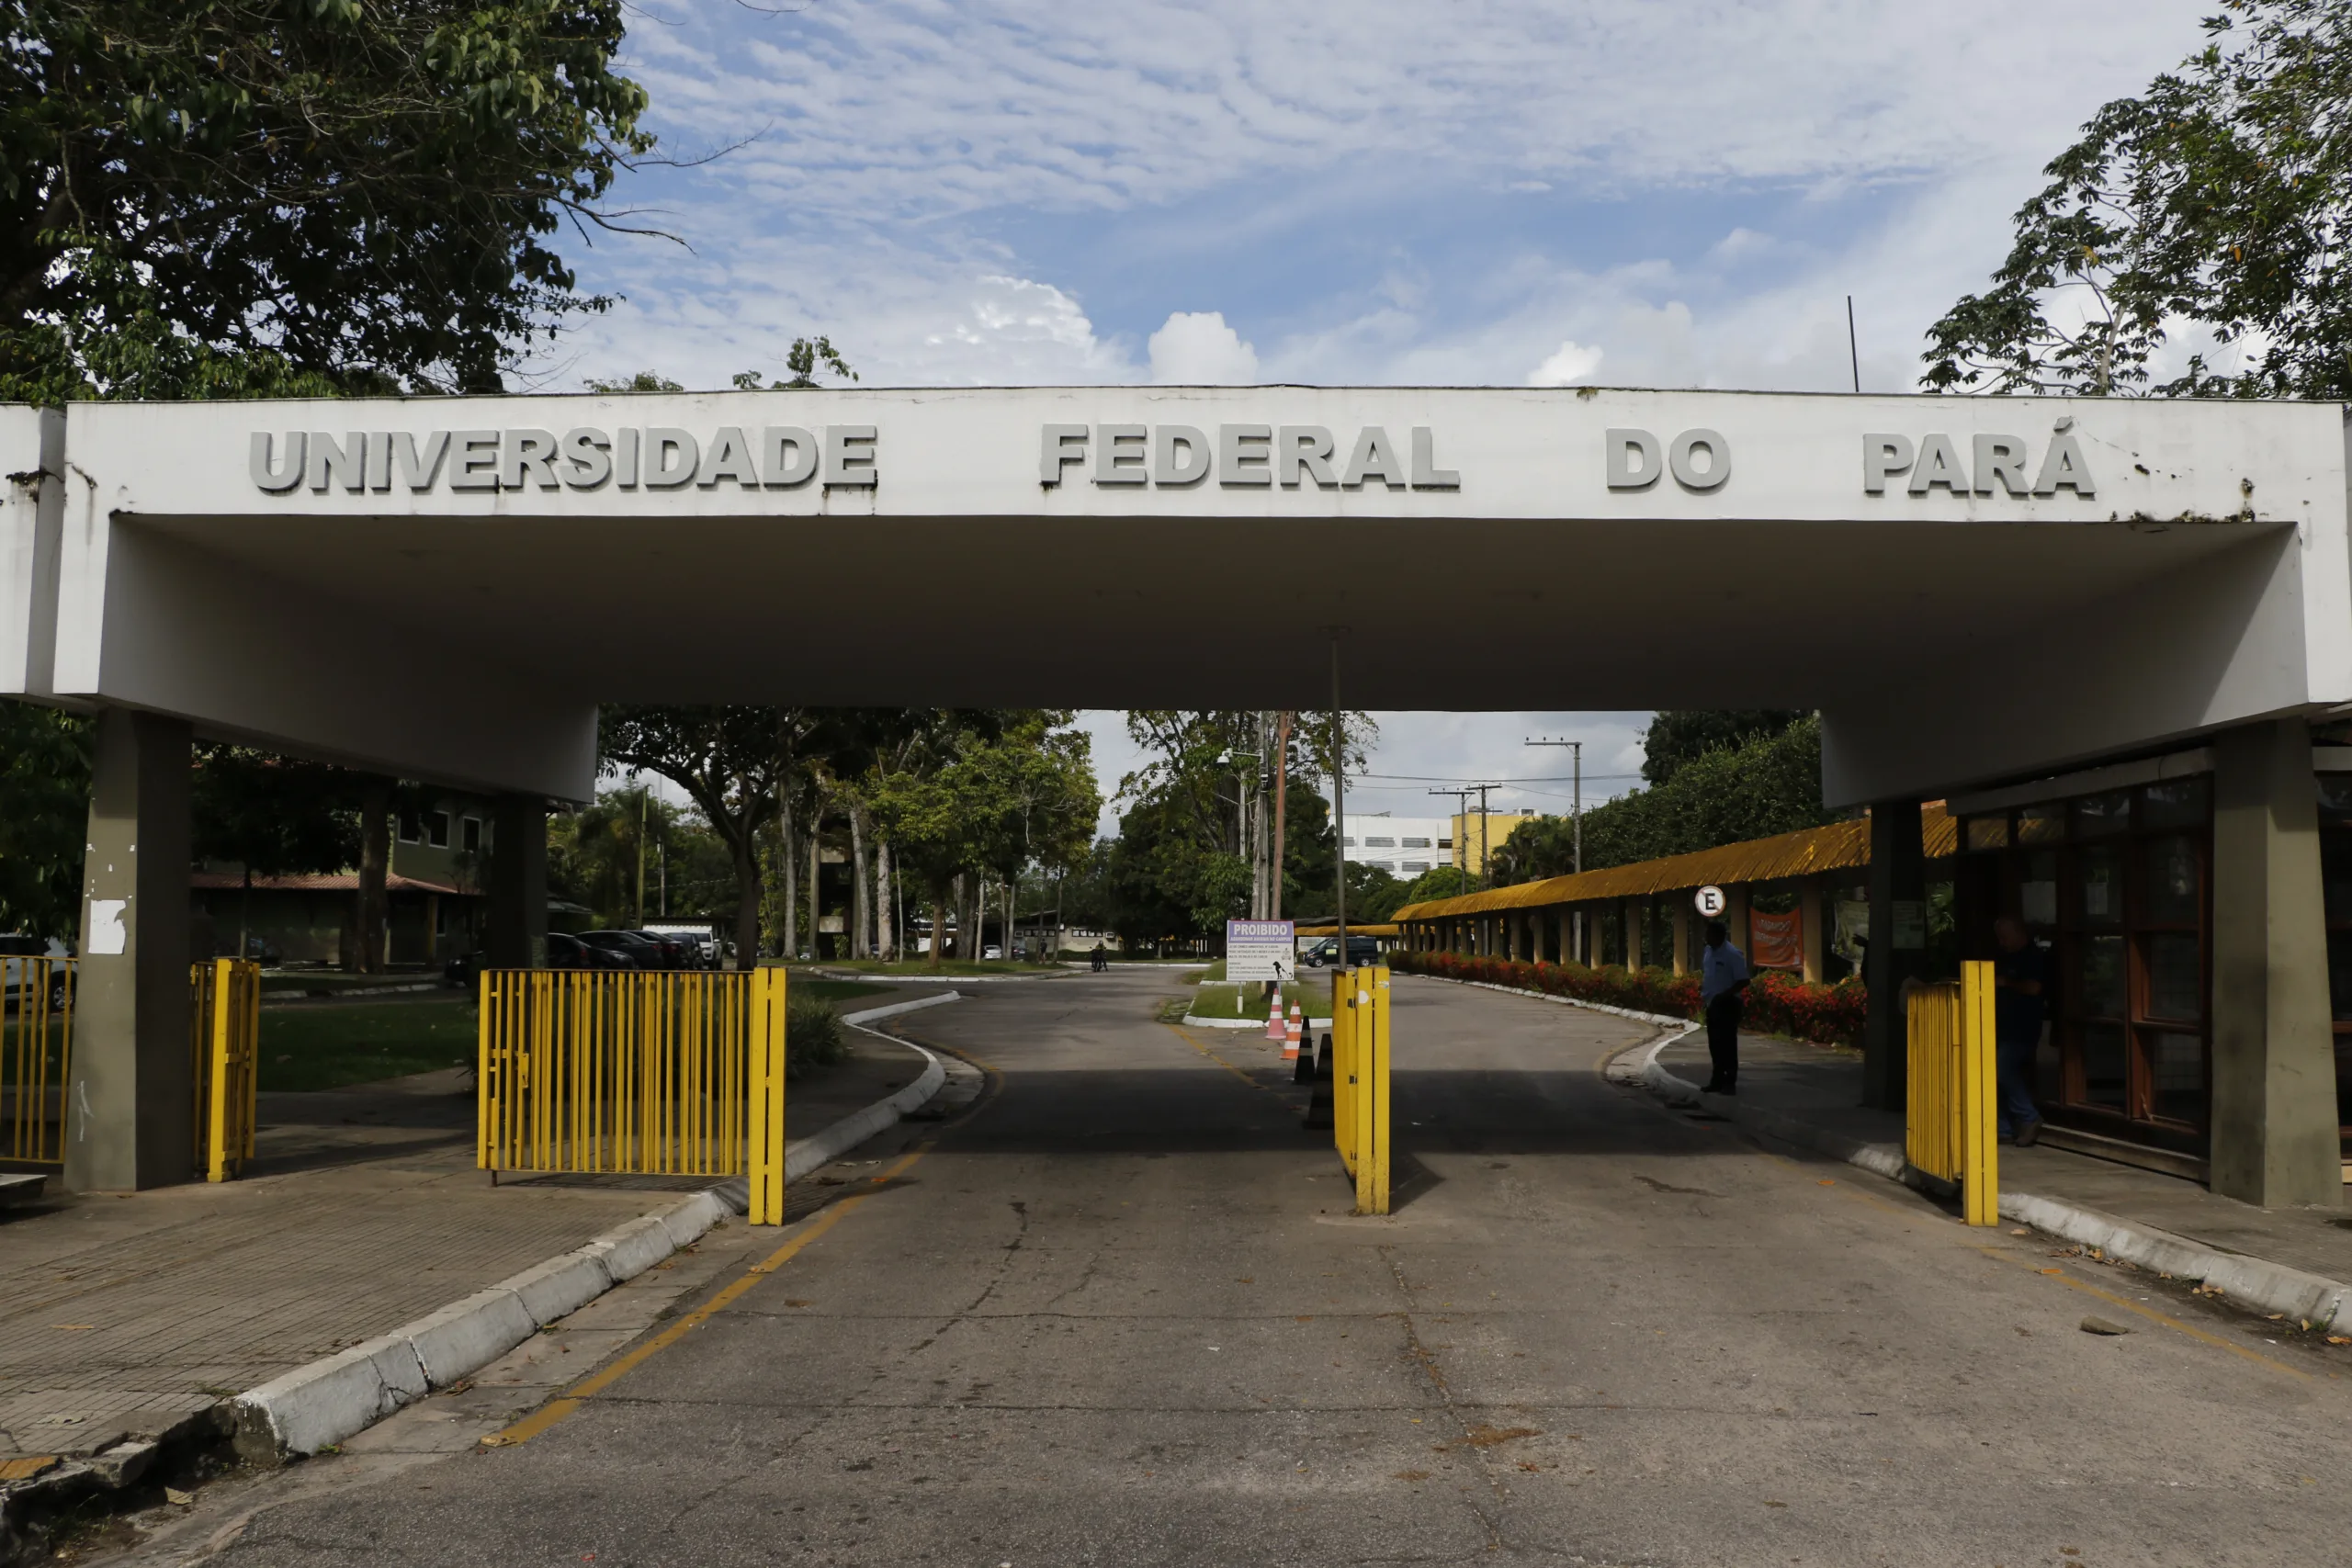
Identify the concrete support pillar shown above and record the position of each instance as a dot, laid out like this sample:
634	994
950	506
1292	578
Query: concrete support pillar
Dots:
1817	932
1737	899
1682	912
1510	935
518	884
1898	946
1632	915
131	1112
2274	1137
1567	948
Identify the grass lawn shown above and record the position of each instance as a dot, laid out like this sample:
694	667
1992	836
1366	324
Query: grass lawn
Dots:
834	990
277	980
922	966
331	1045
1247	1001
336	1044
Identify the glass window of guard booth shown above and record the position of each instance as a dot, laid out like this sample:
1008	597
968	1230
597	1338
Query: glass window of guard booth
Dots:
2117	888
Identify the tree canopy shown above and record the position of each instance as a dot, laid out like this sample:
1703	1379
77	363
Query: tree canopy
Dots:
2216	200
258	196
1769	785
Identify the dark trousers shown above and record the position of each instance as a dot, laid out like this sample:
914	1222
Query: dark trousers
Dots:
1722	1038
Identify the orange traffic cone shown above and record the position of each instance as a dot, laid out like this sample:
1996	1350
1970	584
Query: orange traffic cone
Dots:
1274	1015
1293	1028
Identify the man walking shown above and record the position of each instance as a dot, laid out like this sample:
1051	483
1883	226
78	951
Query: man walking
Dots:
2020	984
1722	976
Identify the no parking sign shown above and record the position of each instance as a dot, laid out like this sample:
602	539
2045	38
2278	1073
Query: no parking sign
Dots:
1711	901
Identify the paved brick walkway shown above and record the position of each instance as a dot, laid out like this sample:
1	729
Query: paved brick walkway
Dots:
121	1315
1823	1086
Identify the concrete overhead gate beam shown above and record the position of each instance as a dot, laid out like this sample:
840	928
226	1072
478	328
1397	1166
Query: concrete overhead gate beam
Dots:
393	584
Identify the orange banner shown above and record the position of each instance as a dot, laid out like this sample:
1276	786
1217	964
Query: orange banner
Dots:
1776	941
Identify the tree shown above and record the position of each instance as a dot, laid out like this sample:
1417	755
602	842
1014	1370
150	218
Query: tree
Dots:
728	762
274	816
364	193
1676	737
1769	785
2219	199
1034	791
44	816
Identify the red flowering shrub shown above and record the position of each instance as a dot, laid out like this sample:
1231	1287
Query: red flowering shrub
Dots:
1778	1002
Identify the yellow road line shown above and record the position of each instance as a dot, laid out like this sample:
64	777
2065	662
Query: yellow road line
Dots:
561	1407
2149	1314
2006	1256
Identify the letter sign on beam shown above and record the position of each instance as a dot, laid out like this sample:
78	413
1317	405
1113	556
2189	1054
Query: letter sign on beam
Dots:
1623	447
1882	458
1060	445
2000	457
1119	455
1686	473
849	458
2063	469
1180	455
1426	475
1245	454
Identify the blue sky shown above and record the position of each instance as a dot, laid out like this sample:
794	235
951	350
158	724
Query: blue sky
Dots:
1461	192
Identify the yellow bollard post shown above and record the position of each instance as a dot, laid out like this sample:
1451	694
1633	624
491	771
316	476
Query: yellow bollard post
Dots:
766	1078
1372	1160
218	1126
1979	1095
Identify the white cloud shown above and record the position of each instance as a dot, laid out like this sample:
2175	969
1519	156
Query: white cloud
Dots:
1195	348
1568	365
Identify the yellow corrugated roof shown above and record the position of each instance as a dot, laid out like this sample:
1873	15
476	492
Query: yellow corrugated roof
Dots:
1841	846
1353	930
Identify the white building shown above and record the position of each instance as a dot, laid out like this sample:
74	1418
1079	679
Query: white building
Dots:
1404	847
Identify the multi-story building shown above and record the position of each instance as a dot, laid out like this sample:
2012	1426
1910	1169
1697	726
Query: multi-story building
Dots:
1405	847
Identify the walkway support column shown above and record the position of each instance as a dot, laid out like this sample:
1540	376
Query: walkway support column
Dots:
1682	937
1567	948
1632	916
1898	947
2274	1136
518	885
1814	937
130	1114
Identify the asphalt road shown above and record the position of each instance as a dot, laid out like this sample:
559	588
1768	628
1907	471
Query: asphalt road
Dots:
1119	1313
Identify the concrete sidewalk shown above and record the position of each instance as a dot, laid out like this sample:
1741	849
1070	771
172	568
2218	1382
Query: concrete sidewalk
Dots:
1818	1089
124	1316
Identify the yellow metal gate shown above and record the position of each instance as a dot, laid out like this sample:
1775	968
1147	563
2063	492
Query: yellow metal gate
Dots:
1951	1127
35	1057
224	1046
663	1073
1360	1082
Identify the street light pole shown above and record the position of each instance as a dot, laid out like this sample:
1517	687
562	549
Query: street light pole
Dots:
1575	751
1339	796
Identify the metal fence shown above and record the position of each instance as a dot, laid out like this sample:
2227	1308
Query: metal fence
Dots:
1951	1121
224	1047
36	1058
1360	1081
663	1073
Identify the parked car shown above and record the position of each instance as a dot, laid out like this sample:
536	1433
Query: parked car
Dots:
14	972
263	951
640	952
677	951
1323	955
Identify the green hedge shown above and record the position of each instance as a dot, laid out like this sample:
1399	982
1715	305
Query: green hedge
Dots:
1777	1002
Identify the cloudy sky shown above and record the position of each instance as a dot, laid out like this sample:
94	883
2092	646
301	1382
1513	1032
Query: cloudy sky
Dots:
1488	192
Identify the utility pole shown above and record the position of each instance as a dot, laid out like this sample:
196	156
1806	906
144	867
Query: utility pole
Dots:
1462	815
1576	820
1576	749
1339	796
644	801
1484	848
1281	795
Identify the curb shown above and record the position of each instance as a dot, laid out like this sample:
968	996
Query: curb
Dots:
2246	1282
892	1009
318	1406
315	1406
1664	1018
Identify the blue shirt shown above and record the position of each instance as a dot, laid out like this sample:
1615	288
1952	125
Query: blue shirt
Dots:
1722	967
2017	1015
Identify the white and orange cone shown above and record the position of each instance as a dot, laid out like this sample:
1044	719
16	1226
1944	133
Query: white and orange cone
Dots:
1293	1031
1274	1015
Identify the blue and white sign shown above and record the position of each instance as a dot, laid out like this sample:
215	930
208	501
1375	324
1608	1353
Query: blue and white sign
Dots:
1260	950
